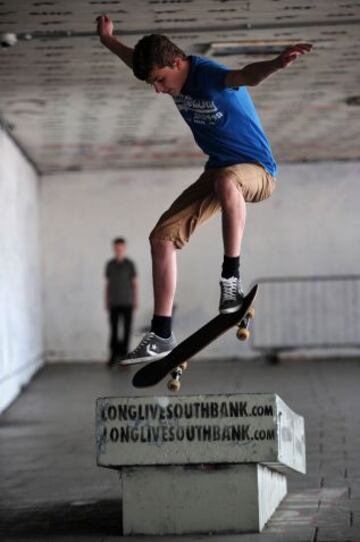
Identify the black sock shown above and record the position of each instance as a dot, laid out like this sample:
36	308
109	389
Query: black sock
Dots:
231	267
161	326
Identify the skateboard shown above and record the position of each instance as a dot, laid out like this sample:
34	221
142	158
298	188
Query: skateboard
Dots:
176	361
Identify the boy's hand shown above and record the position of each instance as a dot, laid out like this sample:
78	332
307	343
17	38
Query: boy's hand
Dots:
104	27
292	53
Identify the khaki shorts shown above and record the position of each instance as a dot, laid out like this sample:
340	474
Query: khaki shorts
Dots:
199	202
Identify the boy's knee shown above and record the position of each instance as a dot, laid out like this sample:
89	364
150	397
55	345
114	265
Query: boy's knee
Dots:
226	186
159	244
155	242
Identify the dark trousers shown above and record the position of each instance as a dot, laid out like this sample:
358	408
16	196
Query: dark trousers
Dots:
119	346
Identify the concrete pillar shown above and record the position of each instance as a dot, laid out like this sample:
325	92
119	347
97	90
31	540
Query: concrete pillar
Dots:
200	498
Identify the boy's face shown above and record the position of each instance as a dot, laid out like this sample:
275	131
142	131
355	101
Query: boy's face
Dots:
169	80
119	251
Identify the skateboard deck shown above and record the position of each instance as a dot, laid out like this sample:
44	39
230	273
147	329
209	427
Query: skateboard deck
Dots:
152	373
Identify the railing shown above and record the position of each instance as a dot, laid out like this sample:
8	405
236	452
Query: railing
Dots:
307	313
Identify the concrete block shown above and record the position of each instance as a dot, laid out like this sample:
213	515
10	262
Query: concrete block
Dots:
188	430
199	499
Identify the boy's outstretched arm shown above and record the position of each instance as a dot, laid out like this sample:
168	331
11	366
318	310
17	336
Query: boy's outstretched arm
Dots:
253	74
105	30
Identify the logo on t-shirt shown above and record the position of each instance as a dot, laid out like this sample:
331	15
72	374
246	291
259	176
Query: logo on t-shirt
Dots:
197	110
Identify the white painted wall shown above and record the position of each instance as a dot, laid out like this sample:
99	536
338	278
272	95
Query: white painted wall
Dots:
20	288
310	226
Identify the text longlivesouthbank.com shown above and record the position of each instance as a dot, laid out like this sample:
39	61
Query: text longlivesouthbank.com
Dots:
153	423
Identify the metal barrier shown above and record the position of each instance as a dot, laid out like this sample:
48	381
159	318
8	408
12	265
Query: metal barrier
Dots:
306	312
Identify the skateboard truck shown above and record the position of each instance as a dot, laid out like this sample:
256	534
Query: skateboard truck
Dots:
243	332
174	383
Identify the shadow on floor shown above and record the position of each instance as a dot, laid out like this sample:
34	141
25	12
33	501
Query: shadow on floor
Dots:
100	517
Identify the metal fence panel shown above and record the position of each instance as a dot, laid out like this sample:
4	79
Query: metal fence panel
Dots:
309	312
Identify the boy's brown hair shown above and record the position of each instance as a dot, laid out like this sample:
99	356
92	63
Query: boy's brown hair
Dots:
154	51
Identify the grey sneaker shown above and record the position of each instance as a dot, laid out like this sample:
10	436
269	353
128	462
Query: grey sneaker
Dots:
150	348
231	296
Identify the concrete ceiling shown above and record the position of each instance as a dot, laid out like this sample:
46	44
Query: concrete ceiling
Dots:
72	105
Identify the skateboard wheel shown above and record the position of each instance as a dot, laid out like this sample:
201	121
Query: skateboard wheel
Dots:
243	334
183	366
174	385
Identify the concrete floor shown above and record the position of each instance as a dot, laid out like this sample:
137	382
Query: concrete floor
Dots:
52	490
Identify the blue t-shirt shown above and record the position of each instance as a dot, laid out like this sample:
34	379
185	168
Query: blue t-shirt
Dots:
223	120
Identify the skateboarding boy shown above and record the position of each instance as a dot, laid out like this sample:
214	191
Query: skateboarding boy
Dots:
214	102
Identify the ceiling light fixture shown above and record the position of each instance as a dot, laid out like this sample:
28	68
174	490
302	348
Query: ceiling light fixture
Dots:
247	47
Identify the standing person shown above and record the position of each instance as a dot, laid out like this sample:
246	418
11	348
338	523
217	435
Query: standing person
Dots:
121	298
214	102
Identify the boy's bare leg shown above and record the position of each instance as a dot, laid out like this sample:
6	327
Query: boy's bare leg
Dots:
233	215
164	276
160	340
233	208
